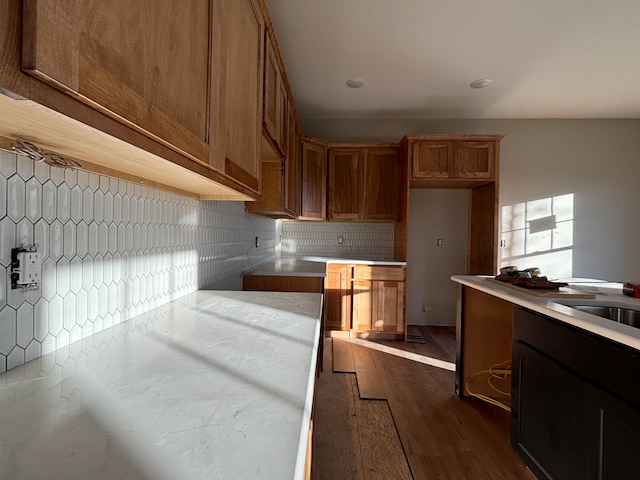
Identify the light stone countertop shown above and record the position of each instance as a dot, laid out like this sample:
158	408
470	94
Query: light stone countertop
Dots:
604	291
307	266
215	385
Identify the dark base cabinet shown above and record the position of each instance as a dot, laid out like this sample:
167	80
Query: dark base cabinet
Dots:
575	402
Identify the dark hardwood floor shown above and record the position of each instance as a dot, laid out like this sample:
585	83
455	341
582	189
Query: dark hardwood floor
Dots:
415	426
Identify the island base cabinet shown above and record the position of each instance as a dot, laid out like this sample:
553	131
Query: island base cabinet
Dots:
575	403
547	420
613	432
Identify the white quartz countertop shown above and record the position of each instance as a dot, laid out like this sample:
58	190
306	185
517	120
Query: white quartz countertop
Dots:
605	292
308	266
215	385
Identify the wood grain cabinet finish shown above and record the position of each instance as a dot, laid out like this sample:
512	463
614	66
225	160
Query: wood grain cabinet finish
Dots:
128	60
275	98
293	165
381	184
337	297
432	159
314	179
365	298
473	160
278	283
437	159
345	183
241	26
379	299
188	79
281	176
364	183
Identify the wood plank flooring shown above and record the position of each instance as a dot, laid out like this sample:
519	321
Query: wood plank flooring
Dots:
355	439
421	431
371	384
342	358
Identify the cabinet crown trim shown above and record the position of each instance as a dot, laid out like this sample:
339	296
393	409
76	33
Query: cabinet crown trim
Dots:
453	137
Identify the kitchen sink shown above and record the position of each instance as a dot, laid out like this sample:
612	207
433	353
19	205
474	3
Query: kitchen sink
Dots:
620	313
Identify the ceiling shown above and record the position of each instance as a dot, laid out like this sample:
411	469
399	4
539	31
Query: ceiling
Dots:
547	59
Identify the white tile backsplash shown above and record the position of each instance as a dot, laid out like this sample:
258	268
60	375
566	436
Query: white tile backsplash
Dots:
368	241
111	249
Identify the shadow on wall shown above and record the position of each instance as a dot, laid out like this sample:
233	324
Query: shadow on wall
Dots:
539	233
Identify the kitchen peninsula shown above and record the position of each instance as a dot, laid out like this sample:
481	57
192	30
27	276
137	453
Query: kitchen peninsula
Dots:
362	297
216	384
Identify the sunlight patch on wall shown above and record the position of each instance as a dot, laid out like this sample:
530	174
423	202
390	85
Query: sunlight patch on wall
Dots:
539	233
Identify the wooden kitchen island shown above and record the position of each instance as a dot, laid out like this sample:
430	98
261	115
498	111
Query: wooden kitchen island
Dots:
216	384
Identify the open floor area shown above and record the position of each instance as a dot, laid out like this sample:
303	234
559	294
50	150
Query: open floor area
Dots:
387	410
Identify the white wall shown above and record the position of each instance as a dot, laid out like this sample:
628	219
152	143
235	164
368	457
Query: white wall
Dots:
593	166
433	214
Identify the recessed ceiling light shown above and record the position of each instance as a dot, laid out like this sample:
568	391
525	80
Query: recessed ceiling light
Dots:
355	82
481	83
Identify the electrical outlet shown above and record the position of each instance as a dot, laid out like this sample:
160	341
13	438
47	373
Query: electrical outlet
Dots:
439	242
26	268
340	240
257	242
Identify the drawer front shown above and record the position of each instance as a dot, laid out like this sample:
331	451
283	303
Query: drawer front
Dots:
376	272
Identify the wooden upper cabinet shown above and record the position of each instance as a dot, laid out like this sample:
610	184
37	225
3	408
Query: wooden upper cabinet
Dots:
473	160
275	98
128	60
381	184
293	165
453	160
240	52
184	78
364	183
345	177
432	159
314	180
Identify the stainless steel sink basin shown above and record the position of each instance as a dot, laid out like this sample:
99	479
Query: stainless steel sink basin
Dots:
609	310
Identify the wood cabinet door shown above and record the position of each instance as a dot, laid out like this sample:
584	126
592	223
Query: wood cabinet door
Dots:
314	182
381	184
345	179
388	300
378	306
363	305
432	159
337	297
473	160
129	60
240	55
274	100
293	166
